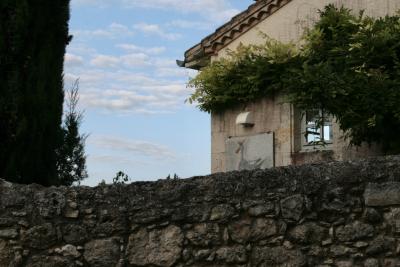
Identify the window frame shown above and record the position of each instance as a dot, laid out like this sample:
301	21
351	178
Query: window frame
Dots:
326	120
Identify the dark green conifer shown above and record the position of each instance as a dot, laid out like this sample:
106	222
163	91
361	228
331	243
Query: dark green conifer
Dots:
33	38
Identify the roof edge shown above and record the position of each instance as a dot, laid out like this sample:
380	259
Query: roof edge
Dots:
200	54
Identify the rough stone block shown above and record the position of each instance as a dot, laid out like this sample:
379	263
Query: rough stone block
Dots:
354	231
102	252
385	194
278	256
41	236
5	254
263	228
221	212
8	233
292	207
236	254
158	247
240	230
308	233
262	209
204	234
393	219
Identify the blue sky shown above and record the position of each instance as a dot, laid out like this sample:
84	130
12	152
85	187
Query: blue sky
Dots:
131	90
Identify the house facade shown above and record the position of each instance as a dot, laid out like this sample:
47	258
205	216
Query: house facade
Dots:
271	132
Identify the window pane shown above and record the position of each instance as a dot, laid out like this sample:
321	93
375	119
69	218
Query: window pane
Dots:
313	135
328	133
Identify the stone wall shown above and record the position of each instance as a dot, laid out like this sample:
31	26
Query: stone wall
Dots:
332	214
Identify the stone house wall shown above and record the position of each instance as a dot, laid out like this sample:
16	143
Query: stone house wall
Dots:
273	115
330	214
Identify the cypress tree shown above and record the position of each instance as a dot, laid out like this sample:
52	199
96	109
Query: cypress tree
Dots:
33	38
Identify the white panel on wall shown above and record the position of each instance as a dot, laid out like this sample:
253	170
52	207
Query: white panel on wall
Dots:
250	152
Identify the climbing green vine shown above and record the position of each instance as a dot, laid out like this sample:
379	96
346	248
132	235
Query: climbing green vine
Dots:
245	75
348	65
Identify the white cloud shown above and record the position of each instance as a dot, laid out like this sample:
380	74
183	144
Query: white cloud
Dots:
137	147
154	29
104	61
126	92
138	49
80	48
71	60
175	72
214	10
112	31
129	60
188	24
113	159
144	100
135	60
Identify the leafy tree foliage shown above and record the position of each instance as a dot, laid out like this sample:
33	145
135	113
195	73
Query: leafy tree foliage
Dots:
121	178
71	163
347	65
245	75
33	37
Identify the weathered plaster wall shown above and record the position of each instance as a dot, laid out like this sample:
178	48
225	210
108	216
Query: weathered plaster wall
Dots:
270	115
332	214
288	24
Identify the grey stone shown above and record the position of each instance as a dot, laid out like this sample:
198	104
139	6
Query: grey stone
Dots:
49	261
222	212
340	250
345	263
393	219
158	247
361	244
384	194
292	207
371	215
371	263
73	214
201	254
391	262
262	228
19	213
204	234
277	257
7	221
380	244
8	233
41	236
102	252
236	254
263	209
327	242
314	251
70	251
50	202
354	231
74	234
308	233
6	254
240	231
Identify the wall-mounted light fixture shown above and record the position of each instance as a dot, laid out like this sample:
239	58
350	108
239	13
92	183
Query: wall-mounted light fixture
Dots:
245	119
